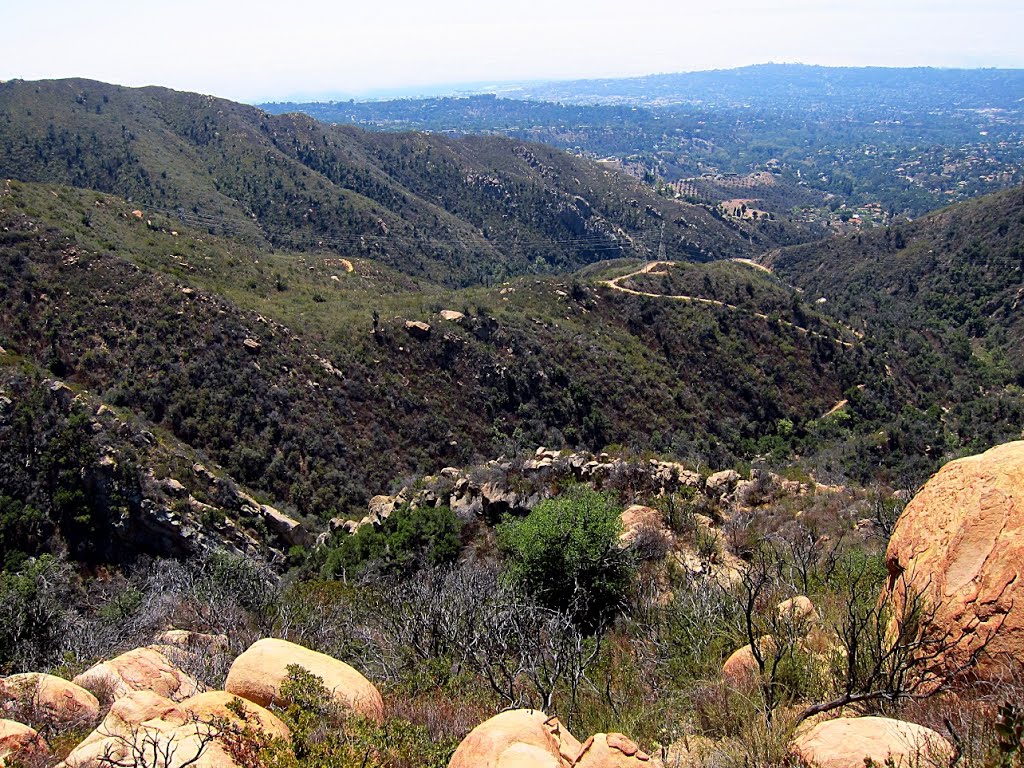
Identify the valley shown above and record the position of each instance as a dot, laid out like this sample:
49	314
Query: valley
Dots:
324	446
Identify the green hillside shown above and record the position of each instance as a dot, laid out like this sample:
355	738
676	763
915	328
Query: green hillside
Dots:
333	399
455	211
938	301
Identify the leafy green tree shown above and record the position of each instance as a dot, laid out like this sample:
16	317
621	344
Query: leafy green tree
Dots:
23	529
407	540
566	554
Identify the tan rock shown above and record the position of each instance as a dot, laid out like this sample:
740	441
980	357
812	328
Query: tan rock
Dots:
257	675
960	541
797	610
722	482
417	329
637	517
146	730
612	750
847	742
183	638
452	316
52	698
214	704
741	669
518	738
134	712
141	669
156	744
18	742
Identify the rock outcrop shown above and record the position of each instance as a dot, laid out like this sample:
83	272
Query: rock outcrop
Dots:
214	704
49	698
612	750
960	543
519	738
197	641
142	726
141	669
259	672
847	742
19	742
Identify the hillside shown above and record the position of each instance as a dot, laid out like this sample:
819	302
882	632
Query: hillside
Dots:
938	299
456	212
304	382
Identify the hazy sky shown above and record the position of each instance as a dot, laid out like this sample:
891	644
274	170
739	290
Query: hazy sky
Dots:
258	50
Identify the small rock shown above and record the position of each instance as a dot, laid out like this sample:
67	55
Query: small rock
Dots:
417	329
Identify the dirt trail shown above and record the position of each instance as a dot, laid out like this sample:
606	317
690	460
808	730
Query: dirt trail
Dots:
651	268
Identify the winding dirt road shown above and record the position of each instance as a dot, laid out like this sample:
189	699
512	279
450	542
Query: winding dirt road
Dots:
651	268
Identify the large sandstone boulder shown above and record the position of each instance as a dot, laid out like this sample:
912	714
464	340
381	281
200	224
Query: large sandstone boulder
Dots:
214	704
257	675
960	542
847	742
18	742
612	750
49	698
142	669
146	730
741	670
519	738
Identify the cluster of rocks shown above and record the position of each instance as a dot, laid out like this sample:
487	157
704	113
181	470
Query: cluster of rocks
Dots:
157	712
954	562
528	737
503	486
173	517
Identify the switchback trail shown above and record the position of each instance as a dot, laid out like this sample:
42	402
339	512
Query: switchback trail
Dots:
651	268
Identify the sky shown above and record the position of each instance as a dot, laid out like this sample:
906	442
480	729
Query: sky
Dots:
307	49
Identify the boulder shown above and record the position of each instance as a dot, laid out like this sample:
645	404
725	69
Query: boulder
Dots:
142	725
612	750
199	641
214	704
18	741
518	738
141	669
848	742
257	675
417	329
52	698
452	316
126	718
636	518
960	542
741	670
797	610
288	529
381	507
722	482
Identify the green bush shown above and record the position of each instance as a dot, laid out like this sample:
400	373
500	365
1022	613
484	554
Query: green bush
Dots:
566	554
407	540
325	736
